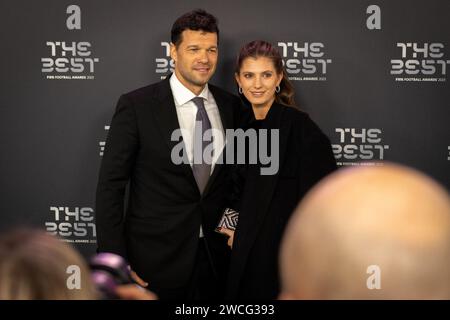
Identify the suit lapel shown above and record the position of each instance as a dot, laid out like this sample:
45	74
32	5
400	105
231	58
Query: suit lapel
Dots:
167	121
266	184
226	116
225	109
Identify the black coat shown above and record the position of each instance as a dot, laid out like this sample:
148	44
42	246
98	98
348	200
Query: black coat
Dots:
159	231
267	202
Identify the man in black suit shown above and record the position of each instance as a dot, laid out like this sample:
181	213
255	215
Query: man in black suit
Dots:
167	230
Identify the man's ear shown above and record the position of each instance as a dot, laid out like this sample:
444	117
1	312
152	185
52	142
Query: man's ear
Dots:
173	52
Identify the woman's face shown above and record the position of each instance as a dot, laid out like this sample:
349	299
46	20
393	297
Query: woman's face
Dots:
258	80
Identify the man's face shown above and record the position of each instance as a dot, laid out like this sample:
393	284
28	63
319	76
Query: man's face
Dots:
195	58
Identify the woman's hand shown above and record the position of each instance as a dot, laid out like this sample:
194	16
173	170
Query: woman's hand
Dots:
230	234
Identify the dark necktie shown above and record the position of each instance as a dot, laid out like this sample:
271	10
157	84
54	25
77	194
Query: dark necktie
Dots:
201	169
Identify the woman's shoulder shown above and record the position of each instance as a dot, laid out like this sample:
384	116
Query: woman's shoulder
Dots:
294	113
301	121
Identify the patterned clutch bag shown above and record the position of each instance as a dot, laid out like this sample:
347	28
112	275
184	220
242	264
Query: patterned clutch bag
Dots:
229	219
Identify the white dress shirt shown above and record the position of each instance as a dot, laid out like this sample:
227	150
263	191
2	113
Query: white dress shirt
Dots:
187	112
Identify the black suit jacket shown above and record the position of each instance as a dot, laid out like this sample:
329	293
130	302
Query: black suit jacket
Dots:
158	231
267	201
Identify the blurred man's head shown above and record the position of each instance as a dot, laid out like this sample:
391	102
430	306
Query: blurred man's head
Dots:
35	265
389	219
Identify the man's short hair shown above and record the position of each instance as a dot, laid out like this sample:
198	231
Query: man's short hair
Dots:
195	20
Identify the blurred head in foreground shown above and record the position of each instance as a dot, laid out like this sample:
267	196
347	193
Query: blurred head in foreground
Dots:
34	265
369	233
